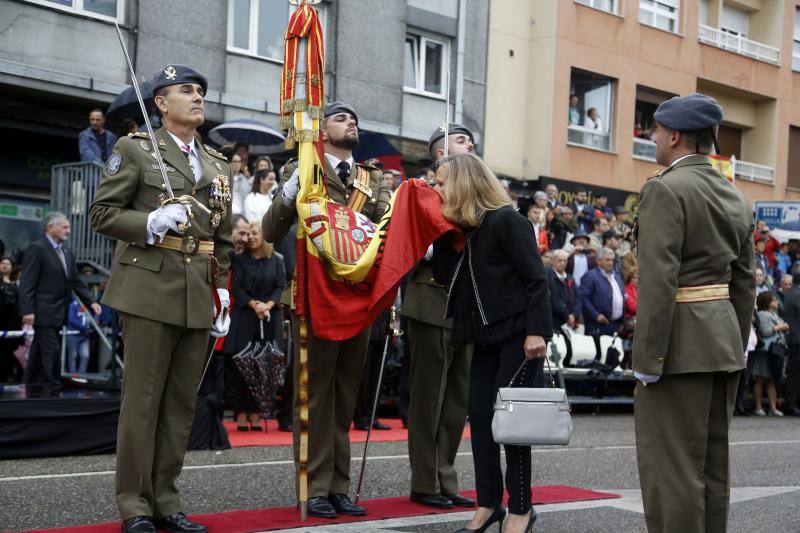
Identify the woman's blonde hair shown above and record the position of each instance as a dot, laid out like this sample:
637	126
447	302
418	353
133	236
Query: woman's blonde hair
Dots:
470	190
266	249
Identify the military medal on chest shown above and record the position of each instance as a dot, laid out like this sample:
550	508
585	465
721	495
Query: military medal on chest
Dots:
219	196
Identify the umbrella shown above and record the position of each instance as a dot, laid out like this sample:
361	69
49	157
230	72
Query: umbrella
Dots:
261	138
126	105
262	366
788	231
372	144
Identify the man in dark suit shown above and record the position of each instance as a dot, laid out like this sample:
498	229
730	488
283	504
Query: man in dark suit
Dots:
603	296
583	211
49	276
791	306
563	300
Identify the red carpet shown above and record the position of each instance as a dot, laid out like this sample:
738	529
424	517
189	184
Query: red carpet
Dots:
288	517
273	437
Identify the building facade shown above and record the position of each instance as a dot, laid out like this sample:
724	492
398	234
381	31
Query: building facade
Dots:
388	58
553	63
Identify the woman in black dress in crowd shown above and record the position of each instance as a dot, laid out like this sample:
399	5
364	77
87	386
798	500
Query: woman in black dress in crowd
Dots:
10	320
499	301
256	285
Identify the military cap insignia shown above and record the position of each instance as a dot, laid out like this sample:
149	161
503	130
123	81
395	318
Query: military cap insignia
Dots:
442	127
144	145
170	73
113	163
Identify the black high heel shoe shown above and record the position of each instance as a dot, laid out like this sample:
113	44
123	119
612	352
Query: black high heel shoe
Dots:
531	520
499	514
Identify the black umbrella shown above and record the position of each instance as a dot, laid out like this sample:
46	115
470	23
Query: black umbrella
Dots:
261	138
126	105
262	366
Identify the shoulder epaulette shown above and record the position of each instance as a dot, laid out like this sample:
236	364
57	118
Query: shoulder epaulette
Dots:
215	153
657	174
142	134
368	167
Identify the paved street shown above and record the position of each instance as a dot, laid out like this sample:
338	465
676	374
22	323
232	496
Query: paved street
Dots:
765	471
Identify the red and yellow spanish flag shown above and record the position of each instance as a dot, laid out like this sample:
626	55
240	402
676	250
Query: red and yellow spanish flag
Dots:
724	165
348	268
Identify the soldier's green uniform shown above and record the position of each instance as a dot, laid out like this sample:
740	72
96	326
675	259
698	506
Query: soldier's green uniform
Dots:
438	387
334	368
696	298
165	301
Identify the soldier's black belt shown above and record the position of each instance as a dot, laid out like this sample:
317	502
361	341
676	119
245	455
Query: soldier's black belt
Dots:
187	245
702	293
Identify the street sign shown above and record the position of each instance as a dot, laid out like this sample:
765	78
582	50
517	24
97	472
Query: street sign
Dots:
777	213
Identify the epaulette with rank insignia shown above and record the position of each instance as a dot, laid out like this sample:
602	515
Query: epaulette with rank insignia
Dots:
142	134
215	153
657	174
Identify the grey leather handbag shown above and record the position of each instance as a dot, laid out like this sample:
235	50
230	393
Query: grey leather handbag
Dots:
525	416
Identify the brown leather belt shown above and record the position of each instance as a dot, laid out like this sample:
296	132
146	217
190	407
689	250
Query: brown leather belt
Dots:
187	245
702	293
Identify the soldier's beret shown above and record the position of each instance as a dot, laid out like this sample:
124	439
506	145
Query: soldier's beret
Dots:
452	129
176	74
689	113
340	107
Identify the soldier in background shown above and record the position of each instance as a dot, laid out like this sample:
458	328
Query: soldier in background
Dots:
334	367
696	296
439	371
161	285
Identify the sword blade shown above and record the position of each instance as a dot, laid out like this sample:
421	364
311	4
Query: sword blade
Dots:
148	126
447	115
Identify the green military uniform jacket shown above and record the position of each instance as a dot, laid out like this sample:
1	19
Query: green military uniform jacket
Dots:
280	217
147	281
694	229
425	300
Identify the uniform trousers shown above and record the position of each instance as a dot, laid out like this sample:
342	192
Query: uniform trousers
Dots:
334	375
792	377
682	424
163	366
43	366
493	366
437	411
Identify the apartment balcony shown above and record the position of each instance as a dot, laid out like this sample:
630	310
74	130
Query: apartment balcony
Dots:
753	172
644	149
580	136
739	45
796	63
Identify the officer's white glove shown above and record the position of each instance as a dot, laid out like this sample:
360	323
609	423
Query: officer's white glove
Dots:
223	322
167	217
646	378
290	189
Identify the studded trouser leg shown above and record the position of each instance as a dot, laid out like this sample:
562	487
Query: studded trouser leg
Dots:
493	367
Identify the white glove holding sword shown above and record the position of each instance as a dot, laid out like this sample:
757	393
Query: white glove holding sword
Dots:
173	217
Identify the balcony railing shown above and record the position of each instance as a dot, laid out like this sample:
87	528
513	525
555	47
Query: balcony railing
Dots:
753	171
644	149
589	138
739	45
796	63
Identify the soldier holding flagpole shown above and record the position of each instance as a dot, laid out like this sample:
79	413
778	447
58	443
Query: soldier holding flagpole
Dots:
333	367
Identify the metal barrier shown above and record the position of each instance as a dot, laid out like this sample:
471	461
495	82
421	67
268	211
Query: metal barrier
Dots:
72	190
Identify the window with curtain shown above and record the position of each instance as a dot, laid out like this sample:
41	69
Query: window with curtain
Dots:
426	60
609	6
257	27
105	9
661	14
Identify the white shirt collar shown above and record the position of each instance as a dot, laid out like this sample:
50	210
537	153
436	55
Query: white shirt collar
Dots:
334	161
680	159
53	243
180	143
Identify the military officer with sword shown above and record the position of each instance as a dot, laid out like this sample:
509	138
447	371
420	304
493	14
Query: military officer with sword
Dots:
169	268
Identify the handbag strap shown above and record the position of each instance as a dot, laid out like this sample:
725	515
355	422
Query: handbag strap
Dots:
525	362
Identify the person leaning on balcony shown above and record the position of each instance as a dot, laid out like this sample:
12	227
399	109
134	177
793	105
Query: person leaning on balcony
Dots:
95	142
695	303
593	121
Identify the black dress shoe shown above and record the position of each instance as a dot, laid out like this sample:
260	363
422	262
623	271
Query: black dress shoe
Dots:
178	523
791	411
459	500
343	505
320	507
139	524
380	425
432	500
499	514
